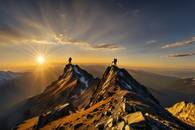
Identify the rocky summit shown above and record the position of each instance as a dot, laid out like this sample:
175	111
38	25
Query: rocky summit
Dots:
77	100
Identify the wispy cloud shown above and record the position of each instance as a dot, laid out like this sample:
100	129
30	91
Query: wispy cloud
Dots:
151	42
110	46
86	45
81	33
180	43
182	54
54	39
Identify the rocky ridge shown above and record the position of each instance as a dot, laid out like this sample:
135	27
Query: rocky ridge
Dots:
119	102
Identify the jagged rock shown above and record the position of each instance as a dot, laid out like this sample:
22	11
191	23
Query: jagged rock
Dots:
109	122
134	117
120	125
60	111
184	111
127	127
123	107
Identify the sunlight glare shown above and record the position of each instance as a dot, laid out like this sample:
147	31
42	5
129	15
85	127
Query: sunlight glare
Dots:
40	59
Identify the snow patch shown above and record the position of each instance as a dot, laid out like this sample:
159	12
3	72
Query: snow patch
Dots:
126	85
83	80
77	70
60	107
121	74
81	77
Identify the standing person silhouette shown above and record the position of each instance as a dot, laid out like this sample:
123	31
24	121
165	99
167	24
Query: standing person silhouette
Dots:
68	65
70	60
114	62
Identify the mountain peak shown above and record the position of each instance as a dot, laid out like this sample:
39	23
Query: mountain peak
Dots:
78	73
119	77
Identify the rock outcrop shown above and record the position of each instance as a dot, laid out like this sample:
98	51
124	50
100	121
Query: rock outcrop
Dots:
184	111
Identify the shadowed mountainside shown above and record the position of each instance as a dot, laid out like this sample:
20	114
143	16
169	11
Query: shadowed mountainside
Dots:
26	85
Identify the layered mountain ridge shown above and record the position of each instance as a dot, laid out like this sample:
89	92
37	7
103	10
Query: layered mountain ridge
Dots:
76	100
7	75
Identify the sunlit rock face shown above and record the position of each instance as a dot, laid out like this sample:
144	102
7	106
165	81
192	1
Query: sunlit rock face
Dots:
75	85
119	102
184	111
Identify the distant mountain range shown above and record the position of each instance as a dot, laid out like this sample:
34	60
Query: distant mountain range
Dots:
7	75
168	90
77	100
16	86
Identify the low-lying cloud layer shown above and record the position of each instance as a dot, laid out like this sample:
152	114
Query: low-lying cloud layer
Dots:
182	54
180	43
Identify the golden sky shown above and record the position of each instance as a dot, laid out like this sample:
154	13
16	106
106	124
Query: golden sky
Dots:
95	32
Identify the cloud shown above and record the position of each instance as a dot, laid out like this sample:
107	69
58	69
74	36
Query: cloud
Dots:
180	43
55	39
30	30
110	46
182	54
86	45
151	42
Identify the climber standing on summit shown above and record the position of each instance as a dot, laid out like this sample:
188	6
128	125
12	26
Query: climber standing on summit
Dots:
114	62
68	65
69	60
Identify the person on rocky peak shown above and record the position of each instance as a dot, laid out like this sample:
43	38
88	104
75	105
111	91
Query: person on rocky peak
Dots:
70	60
114	62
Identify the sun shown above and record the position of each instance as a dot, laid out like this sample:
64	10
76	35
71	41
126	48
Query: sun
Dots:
40	59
